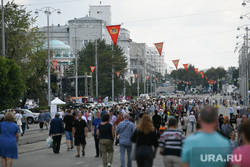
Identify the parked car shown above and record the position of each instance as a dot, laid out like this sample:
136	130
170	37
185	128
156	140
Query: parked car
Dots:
31	117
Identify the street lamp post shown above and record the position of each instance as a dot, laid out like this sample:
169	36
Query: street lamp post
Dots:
3	33
48	11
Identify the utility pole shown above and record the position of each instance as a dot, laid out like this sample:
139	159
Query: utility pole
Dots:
138	68
3	32
113	82
96	70
76	65
86	84
247	80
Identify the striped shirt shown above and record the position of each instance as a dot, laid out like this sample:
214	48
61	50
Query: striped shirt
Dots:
171	142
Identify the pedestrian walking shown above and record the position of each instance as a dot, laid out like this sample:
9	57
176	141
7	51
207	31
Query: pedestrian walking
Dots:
145	137
227	128
41	120
18	120
56	131
231	111
184	124
125	129
95	125
192	121
8	140
24	123
156	121
47	118
243	151
171	143
68	121
207	138
106	134
80	132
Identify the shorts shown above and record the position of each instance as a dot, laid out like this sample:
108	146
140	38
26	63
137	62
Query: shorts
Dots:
184	130
68	135
80	140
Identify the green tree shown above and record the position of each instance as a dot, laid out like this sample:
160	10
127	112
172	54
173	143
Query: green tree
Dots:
105	62
23	45
11	83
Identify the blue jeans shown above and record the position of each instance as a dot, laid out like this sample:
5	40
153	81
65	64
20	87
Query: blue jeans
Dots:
122	154
192	125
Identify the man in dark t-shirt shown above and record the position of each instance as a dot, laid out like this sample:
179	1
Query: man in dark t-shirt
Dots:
68	121
80	131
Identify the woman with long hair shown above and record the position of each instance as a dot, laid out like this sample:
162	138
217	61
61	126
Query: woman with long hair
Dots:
145	137
227	128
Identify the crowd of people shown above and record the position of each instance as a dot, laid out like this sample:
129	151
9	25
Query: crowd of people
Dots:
142	127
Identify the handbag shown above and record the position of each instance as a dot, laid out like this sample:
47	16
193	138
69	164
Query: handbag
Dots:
133	151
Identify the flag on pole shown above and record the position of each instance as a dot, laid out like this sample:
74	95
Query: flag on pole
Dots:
114	32
201	72
100	100
147	77
202	76
196	70
136	75
79	100
106	99
176	62
54	63
185	66
118	74
92	68
159	47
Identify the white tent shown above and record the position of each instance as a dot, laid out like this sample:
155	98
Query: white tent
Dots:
57	101
53	106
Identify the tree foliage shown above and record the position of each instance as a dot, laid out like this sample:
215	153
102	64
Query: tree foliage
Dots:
105	63
11	83
23	45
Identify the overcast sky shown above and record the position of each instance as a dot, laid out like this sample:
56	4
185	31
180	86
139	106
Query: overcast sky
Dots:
199	32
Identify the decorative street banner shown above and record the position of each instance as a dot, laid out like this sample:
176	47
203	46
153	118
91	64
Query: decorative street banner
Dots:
136	75
159	47
196	70
100	100
202	76
114	32
185	66
118	74
176	62
92	68
54	63
147	77
201	72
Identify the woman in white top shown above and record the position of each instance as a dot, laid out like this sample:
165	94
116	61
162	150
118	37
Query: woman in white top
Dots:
18	119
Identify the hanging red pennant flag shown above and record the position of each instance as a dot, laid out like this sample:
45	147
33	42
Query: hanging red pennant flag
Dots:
196	70
185	66
176	62
159	47
100	100
118	74
92	68
202	76
136	75
54	63
114	32
147	77
201	72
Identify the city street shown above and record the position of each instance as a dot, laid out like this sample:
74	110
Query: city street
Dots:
33	152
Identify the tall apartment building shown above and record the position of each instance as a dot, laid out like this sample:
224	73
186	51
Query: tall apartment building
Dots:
153	56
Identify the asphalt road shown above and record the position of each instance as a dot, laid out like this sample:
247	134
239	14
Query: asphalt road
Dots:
39	156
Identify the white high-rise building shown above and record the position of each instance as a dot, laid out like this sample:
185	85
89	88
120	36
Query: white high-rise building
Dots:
153	56
101	12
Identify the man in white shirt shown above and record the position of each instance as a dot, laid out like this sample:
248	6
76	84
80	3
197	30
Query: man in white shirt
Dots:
192	121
